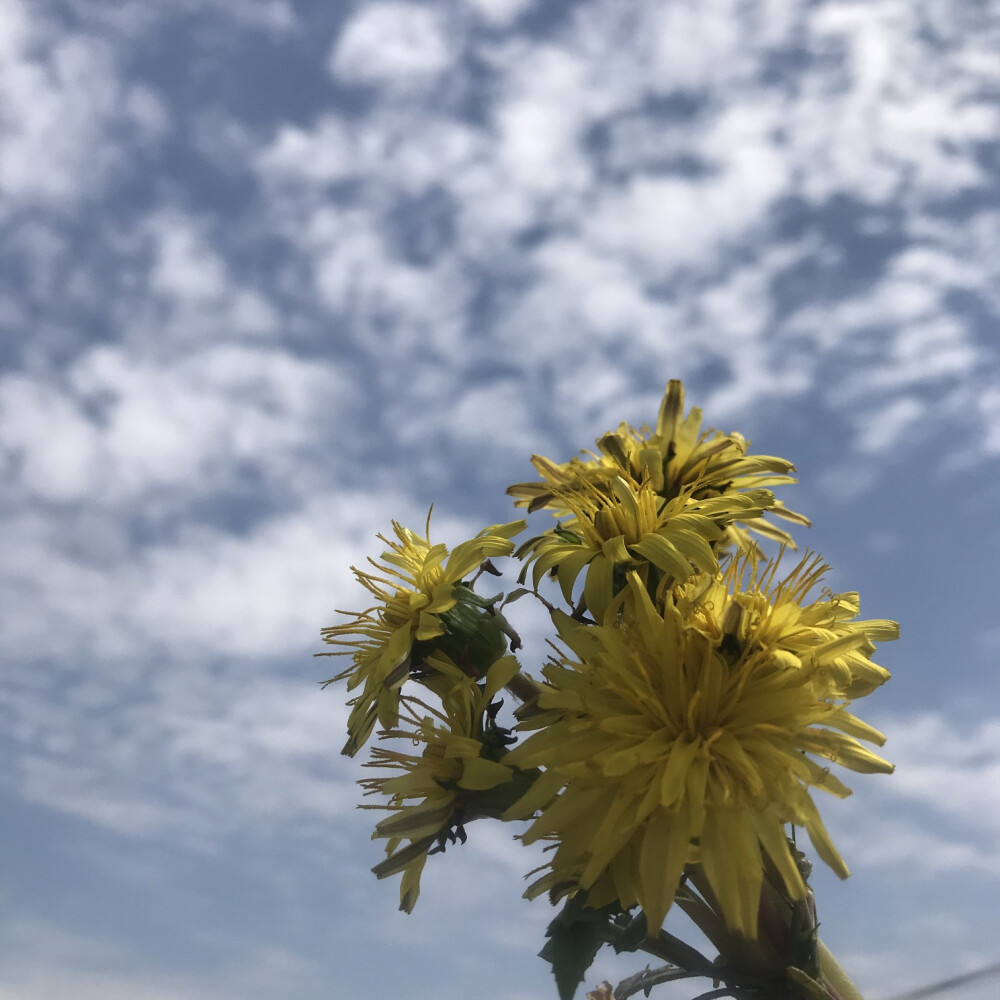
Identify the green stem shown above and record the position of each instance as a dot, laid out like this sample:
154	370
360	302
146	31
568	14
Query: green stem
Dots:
680	953
838	982
631	936
755	956
703	917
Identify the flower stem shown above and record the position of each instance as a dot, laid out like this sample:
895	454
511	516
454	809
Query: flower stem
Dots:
838	983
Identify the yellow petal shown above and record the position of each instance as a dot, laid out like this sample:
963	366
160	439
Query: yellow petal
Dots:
661	860
479	774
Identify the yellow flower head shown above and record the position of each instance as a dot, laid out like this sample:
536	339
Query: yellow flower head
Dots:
677	459
749	610
683	734
436	791
618	525
416	587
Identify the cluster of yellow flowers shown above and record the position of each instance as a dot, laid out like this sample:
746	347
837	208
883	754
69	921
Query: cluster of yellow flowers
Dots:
697	698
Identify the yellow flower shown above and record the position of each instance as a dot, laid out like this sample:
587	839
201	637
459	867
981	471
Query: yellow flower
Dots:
446	784
680	736
748	610
677	459
618	526
416	586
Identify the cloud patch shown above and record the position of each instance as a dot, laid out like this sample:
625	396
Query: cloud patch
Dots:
391	43
120	427
69	122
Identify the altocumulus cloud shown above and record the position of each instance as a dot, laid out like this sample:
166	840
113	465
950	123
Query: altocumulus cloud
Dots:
659	182
249	324
69	120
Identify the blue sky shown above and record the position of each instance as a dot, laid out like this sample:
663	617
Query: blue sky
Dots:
275	273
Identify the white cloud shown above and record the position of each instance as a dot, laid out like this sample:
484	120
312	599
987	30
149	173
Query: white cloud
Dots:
319	155
207	593
916	365
122	426
485	407
949	768
500	13
391	42
938	814
47	962
940	957
550	95
46	439
988	406
911	846
904	115
690	46
125	21
277	17
177	645
659	224
67	119
222	751
15	32
602	246
185	266
577	284
411	160
531	166
395	309
265	595
598	244
385	153
352	266
880	431
189	291
664	223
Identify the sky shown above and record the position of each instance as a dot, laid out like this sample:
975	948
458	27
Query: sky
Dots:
277	272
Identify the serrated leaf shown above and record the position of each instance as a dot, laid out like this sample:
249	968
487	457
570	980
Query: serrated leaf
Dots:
571	951
574	938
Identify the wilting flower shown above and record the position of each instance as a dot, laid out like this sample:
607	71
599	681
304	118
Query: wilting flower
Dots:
417	585
684	732
619	525
435	791
677	459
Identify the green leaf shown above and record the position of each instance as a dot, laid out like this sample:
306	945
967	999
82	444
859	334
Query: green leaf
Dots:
574	938
515	595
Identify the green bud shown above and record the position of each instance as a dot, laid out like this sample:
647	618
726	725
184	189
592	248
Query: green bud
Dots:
474	635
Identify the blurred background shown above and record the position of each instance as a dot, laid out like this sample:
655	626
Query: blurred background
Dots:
275	272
